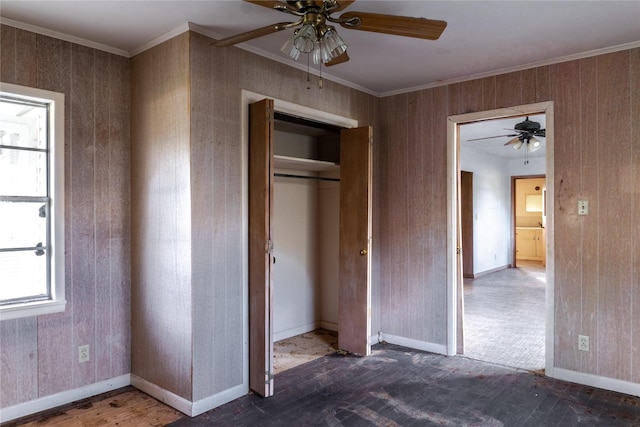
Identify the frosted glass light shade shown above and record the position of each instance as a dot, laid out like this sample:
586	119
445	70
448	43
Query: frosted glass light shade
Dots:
324	44
533	145
516	143
305	38
289	48
334	43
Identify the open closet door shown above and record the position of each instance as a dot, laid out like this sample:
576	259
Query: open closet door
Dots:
261	131
354	297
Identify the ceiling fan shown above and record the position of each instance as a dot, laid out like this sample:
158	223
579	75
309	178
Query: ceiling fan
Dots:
524	134
316	37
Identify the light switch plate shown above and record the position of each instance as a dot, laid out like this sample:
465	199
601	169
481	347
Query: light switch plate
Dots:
583	207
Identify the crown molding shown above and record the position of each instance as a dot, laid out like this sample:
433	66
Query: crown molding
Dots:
523	67
63	36
160	39
189	26
283	60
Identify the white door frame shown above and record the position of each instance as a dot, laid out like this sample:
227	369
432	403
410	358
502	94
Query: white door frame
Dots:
453	154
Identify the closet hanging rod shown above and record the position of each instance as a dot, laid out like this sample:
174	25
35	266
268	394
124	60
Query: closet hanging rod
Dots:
320	178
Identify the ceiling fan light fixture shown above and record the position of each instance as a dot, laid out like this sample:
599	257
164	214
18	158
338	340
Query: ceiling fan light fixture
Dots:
304	39
533	144
289	48
515	143
333	43
322	42
328	48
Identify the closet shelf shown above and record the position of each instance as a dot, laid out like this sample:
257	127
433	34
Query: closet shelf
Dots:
285	162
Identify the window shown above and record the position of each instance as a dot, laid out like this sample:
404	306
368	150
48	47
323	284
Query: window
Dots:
31	202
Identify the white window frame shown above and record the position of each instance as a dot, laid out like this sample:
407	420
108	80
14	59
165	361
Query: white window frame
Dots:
57	302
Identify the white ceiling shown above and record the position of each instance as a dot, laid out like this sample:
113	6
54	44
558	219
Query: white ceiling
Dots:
495	146
482	37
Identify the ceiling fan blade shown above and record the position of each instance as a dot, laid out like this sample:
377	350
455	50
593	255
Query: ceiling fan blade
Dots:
254	34
490	137
343	57
422	28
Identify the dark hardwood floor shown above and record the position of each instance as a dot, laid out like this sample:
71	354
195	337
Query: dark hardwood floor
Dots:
402	387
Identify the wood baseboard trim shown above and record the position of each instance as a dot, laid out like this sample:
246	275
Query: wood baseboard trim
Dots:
411	343
309	327
203	405
65	397
186	406
329	326
298	330
493	270
597	381
165	396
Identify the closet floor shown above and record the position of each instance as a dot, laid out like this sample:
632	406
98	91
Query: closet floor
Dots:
303	348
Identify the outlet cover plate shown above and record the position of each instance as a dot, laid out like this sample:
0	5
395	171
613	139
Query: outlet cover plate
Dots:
583	342
83	353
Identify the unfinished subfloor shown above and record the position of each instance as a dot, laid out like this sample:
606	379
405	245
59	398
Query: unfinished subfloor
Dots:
303	348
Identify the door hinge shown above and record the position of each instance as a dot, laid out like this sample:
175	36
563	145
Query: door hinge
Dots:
268	377
459	251
269	246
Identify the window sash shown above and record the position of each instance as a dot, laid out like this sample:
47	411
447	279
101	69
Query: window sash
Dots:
31	270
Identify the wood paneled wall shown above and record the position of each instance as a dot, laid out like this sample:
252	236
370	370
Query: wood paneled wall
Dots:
202	191
187	192
39	355
597	157
161	298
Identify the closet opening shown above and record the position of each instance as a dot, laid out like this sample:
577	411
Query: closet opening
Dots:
306	237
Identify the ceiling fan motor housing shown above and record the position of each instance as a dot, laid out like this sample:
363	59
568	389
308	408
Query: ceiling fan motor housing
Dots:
528	126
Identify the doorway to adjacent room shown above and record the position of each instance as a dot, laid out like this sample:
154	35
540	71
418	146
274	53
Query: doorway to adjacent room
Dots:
502	313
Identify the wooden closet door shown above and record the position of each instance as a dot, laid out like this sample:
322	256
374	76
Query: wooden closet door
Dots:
261	145
354	298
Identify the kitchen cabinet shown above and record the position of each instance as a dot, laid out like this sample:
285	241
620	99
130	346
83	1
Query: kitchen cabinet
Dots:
530	243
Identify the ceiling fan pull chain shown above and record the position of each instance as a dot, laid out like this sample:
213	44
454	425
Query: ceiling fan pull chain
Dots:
320	82
308	74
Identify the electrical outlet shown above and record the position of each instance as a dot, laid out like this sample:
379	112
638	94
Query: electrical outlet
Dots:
83	353
583	342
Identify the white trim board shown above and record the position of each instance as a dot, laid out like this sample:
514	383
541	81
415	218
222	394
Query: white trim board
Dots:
192	409
298	330
189	26
596	381
62	36
412	343
303	329
453	156
65	397
486	272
